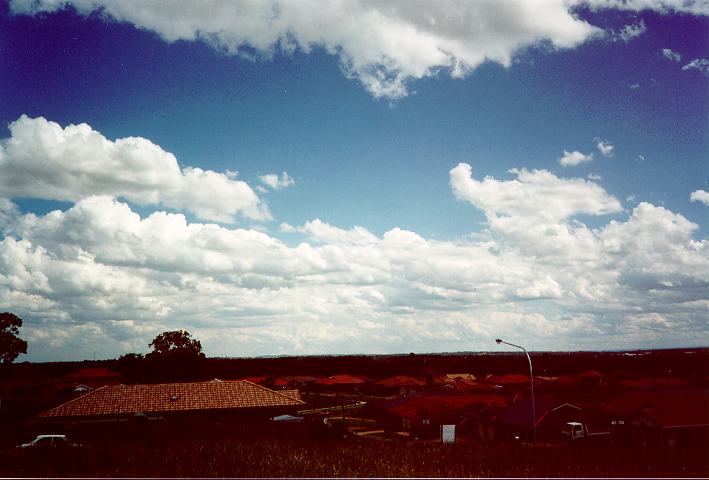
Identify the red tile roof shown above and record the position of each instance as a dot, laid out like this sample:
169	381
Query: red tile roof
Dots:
340	380
509	379
666	409
171	397
420	406
465	385
294	394
294	380
650	383
401	381
258	380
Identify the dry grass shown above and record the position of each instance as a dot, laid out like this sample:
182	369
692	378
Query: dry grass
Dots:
282	458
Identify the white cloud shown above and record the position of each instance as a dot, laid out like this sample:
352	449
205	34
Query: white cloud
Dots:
634	86
696	7
323	232
700	196
98	273
629	32
670	55
276	182
606	148
571	159
594	176
41	159
383	45
701	64
534	195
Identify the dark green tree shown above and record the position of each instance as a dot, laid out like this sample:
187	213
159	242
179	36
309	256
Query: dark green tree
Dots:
10	344
175	344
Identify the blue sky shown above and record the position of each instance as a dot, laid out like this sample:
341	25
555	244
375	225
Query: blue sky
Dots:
313	180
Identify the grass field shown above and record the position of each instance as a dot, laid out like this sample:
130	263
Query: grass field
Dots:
350	458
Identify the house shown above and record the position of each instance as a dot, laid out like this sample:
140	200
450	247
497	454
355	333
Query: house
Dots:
422	414
399	385
590	378
671	417
184	407
433	377
450	377
470	386
516	422
301	382
509	380
341	384
93	377
654	383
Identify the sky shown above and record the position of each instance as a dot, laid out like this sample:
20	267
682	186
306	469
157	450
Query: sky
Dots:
302	177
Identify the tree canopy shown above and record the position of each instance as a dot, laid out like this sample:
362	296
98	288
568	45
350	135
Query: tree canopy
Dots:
10	344
175	344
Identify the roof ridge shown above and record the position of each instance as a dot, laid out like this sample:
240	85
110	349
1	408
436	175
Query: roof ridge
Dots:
274	391
93	392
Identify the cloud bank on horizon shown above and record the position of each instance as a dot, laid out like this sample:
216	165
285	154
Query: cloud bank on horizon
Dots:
99	272
146	241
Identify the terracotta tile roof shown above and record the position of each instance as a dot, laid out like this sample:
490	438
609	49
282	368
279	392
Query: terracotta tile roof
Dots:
401	381
171	397
650	383
340	380
294	394
258	380
465	376
422	406
509	379
666	409
465	385
295	380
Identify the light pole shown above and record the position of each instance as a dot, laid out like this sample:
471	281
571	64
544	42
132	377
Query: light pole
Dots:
531	378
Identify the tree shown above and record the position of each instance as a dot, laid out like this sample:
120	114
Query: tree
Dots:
10	344
175	344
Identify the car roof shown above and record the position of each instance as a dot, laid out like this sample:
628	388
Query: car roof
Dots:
50	436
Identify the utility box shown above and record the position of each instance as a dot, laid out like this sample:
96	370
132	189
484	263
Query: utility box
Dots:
448	433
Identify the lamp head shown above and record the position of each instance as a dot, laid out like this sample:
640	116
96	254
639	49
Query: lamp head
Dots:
498	340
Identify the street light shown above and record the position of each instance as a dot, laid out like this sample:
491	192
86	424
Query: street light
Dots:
531	377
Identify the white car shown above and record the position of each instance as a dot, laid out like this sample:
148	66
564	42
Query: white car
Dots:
49	441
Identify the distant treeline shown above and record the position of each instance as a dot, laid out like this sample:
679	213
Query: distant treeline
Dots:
693	362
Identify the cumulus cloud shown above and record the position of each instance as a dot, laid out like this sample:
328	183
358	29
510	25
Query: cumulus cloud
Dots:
701	64
382	45
532	196
323	232
41	159
696	7
700	196
99	273
670	55
571	159
276	182
606	148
